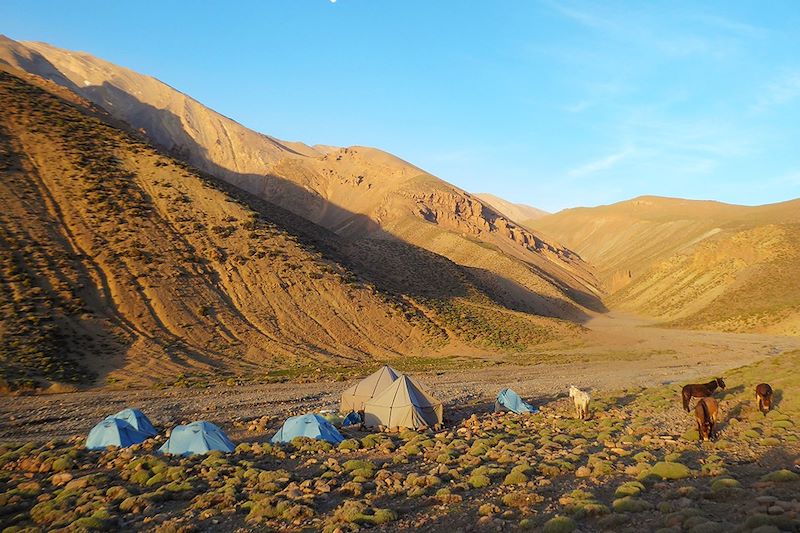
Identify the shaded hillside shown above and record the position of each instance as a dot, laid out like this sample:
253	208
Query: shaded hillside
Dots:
373	194
108	247
120	263
697	263
225	143
357	192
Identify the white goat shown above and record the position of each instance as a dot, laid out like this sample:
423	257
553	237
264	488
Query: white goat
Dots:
581	400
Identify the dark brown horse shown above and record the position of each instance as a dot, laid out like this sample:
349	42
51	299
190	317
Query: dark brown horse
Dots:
764	397
700	390
705	413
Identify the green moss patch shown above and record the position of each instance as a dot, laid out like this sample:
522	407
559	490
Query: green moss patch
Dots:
669	470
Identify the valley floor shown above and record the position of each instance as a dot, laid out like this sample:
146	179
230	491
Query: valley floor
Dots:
621	351
634	465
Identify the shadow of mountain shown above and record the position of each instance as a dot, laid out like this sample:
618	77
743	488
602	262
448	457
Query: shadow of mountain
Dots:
395	266
39	65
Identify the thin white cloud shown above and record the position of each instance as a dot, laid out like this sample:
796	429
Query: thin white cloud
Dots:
778	92
578	107
789	179
706	137
597	94
598	165
670	37
690	45
698	166
786	185
733	26
453	156
586	17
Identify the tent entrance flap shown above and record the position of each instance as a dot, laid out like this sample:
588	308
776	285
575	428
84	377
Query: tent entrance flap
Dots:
404	404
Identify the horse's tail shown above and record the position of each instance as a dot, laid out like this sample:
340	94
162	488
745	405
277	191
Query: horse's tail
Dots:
686	397
706	417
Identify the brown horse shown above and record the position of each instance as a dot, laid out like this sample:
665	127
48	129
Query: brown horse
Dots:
700	390
705	413
764	397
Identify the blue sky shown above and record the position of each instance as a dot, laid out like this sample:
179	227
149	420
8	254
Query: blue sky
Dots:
551	103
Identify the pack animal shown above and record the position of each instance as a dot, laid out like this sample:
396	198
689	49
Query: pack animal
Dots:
581	400
705	413
700	390
764	397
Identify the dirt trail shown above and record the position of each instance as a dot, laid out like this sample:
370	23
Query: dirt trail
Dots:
622	352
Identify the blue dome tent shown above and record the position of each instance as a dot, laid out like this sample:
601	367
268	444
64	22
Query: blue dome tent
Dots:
352	419
508	400
311	425
197	437
113	432
138	420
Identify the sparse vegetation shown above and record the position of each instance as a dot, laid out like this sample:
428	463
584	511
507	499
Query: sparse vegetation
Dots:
148	257
493	327
546	471
110	248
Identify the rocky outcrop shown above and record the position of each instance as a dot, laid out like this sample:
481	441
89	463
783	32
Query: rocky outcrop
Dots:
465	213
357	192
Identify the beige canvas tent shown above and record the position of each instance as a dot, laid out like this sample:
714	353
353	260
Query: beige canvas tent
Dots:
353	399
405	404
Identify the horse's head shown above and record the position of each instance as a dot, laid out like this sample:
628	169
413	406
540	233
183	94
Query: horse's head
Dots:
720	383
766	401
573	390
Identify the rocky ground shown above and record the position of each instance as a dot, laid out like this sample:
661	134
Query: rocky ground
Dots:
620	349
635	465
465	392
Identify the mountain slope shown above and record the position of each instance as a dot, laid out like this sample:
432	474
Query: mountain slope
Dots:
357	192
170	118
695	263
521	213
109	247
119	263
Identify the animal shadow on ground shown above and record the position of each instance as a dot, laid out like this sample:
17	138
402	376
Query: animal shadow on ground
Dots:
724	420
730	391
455	416
622	401
550	398
777	396
777	458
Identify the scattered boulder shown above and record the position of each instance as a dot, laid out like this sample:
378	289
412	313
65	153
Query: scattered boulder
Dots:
559	524
630	504
670	470
781	476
